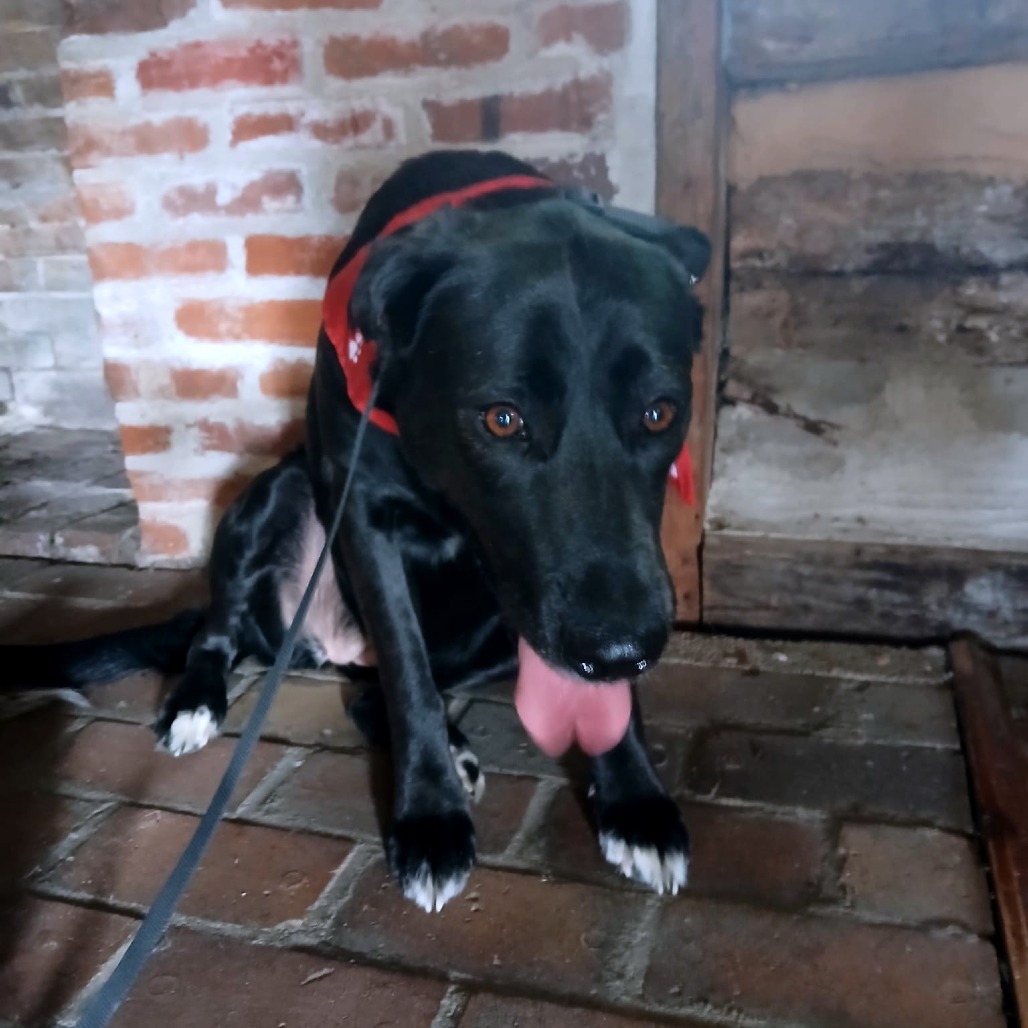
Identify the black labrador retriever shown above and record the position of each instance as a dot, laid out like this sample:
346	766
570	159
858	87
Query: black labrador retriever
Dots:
531	354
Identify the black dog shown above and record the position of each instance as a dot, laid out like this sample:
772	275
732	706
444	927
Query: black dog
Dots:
534	355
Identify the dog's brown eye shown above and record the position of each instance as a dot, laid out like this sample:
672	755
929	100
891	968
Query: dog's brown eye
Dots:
502	420
658	416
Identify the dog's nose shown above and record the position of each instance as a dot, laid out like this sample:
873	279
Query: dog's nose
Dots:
613	660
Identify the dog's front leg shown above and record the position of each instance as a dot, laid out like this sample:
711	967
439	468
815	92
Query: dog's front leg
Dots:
431	841
641	831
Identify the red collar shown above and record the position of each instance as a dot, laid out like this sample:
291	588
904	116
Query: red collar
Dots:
357	354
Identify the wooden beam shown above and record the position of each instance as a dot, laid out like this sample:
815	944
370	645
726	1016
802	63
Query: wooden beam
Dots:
691	120
846	588
971	319
777	41
999	770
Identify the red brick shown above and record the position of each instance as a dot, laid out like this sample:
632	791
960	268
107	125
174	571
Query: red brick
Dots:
137	698
162	537
221	491
205	383
508	928
458	121
87	84
50	952
485	1011
130	260
304	713
735	854
269	193
913	874
105	201
121	380
501	811
204	65
497	736
101	17
137	439
573	107
287	379
180	136
927	786
142	379
458	46
600	26
292	255
196	981
34	823
353	186
361	126
302	5
682	694
292	322
819	970
576	106
331	792
590	171
33	741
258	126
250	874
679	694
247	437
120	759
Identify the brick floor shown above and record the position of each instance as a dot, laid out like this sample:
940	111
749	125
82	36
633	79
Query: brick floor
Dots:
836	880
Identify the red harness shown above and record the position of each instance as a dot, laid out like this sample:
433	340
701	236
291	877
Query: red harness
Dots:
357	354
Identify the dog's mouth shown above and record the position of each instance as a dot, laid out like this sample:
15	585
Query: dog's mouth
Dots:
559	709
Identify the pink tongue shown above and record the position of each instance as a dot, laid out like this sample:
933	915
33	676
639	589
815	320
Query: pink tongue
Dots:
558	709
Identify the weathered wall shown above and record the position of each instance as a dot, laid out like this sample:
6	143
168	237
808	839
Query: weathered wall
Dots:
878	372
222	149
49	349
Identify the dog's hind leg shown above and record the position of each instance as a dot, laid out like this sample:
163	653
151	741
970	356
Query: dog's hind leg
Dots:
193	713
641	831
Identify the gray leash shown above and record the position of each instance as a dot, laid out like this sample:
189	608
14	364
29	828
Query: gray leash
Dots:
113	992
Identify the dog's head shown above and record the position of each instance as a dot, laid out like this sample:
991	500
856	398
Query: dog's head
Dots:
537	360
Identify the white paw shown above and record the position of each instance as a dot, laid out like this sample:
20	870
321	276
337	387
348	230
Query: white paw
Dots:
431	893
190	731
644	864
468	771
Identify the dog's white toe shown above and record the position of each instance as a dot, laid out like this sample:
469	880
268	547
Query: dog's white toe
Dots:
469	772
644	864
190	731
430	893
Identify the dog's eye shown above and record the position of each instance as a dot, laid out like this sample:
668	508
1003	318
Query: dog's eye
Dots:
503	421
658	416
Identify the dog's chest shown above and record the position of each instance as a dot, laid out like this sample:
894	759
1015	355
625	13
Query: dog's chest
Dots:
329	623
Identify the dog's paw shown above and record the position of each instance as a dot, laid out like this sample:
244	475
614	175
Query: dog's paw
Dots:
468	771
186	731
432	856
646	841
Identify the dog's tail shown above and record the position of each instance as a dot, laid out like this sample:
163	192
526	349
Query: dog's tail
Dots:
101	659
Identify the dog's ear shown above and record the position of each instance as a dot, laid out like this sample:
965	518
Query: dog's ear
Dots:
391	288
688	246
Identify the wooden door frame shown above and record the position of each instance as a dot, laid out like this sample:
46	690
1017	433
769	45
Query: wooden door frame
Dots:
692	115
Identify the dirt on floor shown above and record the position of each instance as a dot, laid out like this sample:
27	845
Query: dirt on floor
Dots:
836	878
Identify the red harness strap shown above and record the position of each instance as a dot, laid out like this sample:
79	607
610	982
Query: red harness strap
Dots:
357	354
